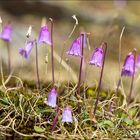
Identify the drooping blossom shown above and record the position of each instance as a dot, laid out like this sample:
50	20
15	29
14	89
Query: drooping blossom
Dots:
44	36
75	48
97	57
128	67
52	98
25	52
6	33
67	115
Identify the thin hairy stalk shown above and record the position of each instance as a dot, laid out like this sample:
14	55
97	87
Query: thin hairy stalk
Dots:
55	119
132	81
52	49
68	71
2	76
37	70
9	57
100	81
80	72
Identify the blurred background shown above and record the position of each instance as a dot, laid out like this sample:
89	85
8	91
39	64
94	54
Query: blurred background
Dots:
103	19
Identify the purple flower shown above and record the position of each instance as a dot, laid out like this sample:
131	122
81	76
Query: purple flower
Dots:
44	36
75	48
25	52
67	115
97	57
6	33
128	67
52	98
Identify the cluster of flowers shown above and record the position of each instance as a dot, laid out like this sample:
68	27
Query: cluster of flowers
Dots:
128	69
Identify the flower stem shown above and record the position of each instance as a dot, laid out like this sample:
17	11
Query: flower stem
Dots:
52	57
37	71
55	119
132	81
9	57
101	75
80	72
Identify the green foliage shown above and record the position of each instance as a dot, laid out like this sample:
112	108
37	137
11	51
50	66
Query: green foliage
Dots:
128	121
132	111
23	112
39	129
106	123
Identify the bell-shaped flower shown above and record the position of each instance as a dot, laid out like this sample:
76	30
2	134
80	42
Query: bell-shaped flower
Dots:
97	57
25	52
67	115
75	48
6	33
44	36
52	98
128	67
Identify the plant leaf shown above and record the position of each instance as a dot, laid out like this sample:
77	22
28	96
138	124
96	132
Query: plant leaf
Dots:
39	129
106	123
132	111
128	121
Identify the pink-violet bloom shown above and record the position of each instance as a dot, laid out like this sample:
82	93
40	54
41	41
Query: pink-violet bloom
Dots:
44	36
128	67
6	33
25	52
67	115
52	98
97	57
75	48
